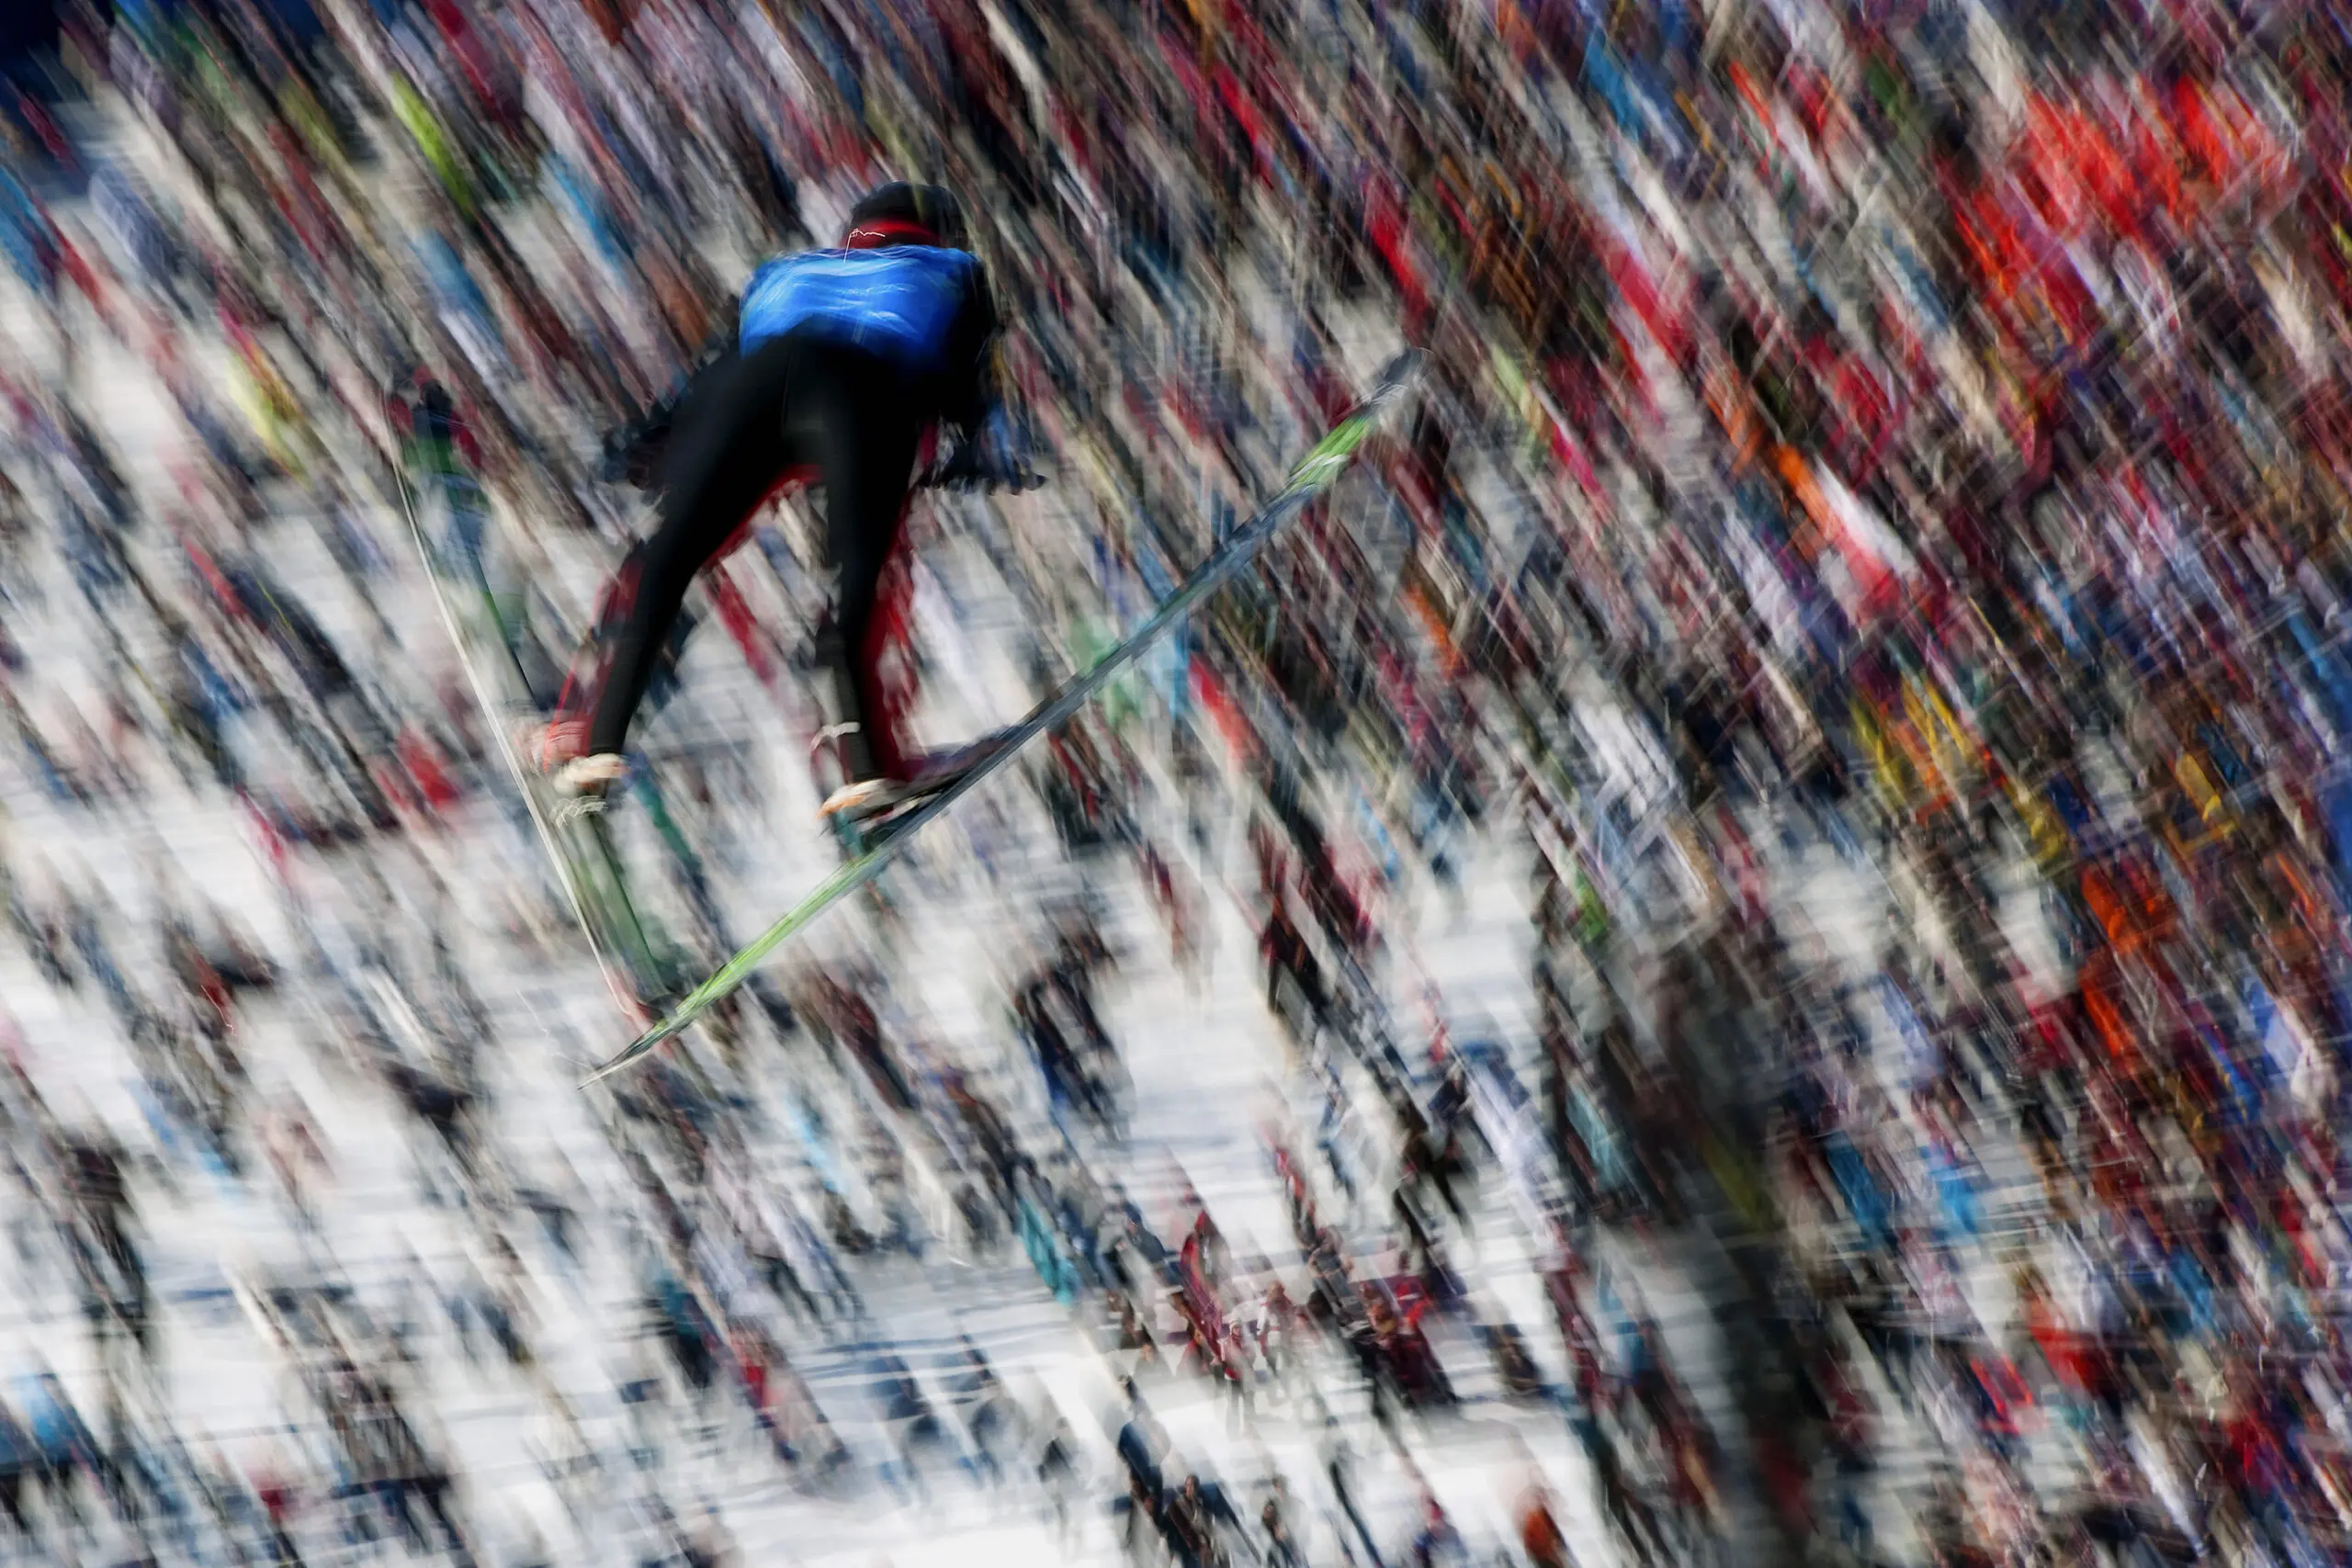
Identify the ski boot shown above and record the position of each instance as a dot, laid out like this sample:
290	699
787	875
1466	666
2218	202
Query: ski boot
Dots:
926	776
580	779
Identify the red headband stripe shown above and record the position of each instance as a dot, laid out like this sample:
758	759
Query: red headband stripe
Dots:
887	232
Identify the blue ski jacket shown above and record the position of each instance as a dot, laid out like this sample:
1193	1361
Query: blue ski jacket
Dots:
925	307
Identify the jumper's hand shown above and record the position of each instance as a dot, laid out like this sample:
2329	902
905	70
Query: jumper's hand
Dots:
633	452
994	457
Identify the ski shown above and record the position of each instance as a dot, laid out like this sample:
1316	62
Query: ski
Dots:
1315	474
638	964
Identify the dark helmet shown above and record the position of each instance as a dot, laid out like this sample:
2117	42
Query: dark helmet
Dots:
903	214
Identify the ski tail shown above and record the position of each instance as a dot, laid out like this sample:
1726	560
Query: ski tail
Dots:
1314	475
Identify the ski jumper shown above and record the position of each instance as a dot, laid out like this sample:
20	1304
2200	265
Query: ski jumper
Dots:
844	361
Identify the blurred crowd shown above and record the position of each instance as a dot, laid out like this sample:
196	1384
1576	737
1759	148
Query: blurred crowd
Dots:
1874	457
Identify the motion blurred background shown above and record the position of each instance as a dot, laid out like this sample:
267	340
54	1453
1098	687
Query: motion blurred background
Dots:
1735	953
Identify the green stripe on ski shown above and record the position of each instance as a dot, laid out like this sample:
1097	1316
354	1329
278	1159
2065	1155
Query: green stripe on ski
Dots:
1314	474
647	957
